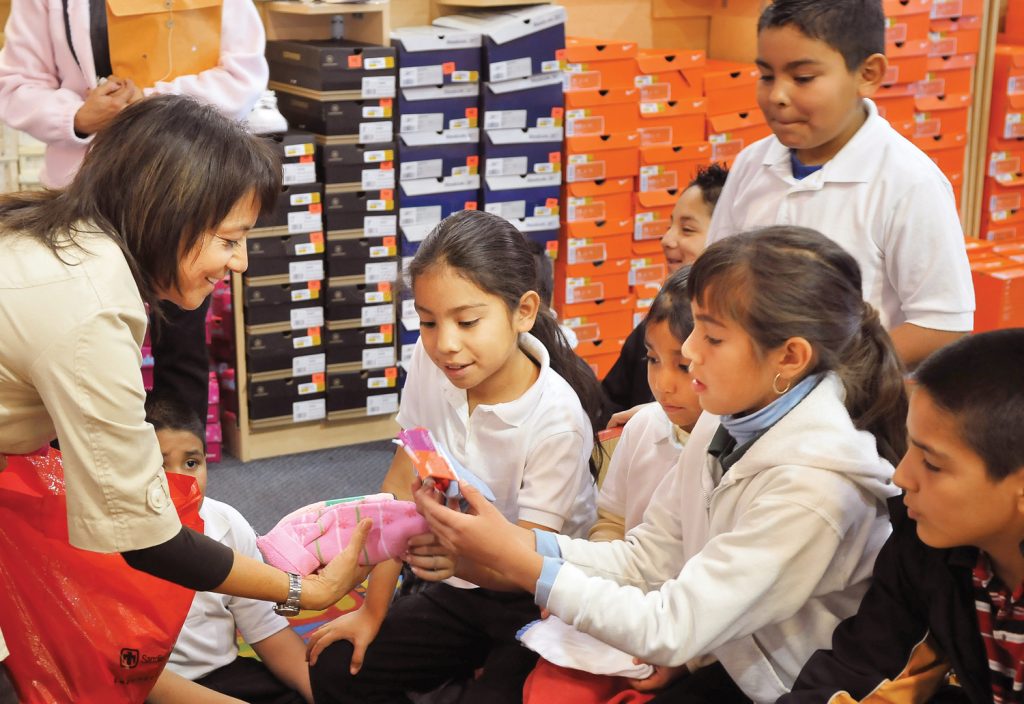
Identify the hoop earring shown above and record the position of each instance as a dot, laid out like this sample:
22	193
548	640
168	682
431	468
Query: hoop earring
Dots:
775	385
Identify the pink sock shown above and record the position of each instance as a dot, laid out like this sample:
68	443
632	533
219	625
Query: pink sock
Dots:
306	539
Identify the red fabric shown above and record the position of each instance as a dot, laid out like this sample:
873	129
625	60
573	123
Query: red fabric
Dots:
80	626
551	684
1001	622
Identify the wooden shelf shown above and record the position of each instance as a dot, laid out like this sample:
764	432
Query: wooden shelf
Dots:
369	23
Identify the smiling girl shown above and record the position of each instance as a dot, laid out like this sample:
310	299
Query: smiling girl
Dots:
763	538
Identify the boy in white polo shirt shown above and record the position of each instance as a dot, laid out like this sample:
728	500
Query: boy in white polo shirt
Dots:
835	165
204	665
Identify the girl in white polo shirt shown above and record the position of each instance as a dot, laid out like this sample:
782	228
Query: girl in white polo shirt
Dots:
764	536
495	381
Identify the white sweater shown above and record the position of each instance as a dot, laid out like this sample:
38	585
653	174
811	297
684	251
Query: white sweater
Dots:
757	571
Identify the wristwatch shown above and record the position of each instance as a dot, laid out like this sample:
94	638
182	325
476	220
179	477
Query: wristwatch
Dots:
290	607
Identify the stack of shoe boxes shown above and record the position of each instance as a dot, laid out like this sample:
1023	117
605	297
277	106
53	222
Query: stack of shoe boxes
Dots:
438	139
602	161
734	120
1003	202
344	92
521	115
282	296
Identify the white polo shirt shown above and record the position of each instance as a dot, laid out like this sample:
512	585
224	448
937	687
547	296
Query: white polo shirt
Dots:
207	640
647	451
884	201
533	452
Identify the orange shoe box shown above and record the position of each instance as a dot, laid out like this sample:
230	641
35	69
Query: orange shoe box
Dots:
730	86
949	9
591	229
590	289
1010	249
1014	33
603	326
948	75
1007	121
1006	163
598	112
947	151
599	75
1000	231
664	75
939	115
653	215
955	36
675	122
896	102
907	27
601	348
645	295
601	364
907	63
729	133
607	200
603	157
583	253
671	168
998	293
605	270
899	8
598	307
1003	200
583	49
978	249
652	270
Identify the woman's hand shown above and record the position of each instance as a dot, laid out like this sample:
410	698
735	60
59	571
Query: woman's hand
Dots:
429	560
483	535
661	677
622	417
103	103
339	576
359	627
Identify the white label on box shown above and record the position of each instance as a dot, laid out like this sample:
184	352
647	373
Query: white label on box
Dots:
301	343
459	171
537	224
309	364
412	76
545	123
513	68
376	338
407	352
505	119
550	66
374	112
544	167
379	358
305	248
301	199
379	272
303	318
303	411
376	156
463	77
371	132
300	272
301	294
409	308
380	225
375	297
378	382
376	63
423	215
382	404
295	174
380	251
376	204
377	179
655	181
511	210
378	87
377	315
459	123
431	168
308	388
304	221
422	122
508	166
294	150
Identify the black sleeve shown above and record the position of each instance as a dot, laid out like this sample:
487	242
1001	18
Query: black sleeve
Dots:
625	385
189	559
885	640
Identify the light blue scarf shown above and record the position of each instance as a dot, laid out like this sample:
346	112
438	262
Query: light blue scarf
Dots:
743	429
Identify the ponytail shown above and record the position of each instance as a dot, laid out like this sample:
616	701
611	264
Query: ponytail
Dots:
876	397
783	282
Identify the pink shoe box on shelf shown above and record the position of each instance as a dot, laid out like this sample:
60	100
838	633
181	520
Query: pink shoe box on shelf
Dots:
213	386
213	452
147	364
228	388
213	413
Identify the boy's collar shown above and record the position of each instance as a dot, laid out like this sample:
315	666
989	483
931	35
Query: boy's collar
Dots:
856	162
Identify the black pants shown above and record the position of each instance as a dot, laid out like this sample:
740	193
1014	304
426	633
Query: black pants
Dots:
431	637
249	679
182	363
708	685
7	693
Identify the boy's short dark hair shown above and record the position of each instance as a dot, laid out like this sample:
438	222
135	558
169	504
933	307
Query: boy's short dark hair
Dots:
854	28
167	411
979	379
710	180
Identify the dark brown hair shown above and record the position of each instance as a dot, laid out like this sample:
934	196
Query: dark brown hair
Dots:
494	255
672	305
783	282
854	28
166	171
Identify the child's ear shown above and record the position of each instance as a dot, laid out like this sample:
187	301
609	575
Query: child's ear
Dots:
871	74
796	357
526	313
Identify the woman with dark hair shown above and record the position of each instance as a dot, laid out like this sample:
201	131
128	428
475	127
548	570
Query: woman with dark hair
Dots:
159	211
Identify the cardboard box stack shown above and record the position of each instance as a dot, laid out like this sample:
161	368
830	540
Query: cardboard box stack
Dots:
997	269
438	139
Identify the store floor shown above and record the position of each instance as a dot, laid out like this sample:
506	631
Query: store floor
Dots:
266	490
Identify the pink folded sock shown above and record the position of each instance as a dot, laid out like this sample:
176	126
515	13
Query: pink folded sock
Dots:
306	539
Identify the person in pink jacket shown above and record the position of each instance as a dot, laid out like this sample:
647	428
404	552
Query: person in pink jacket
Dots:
52	65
